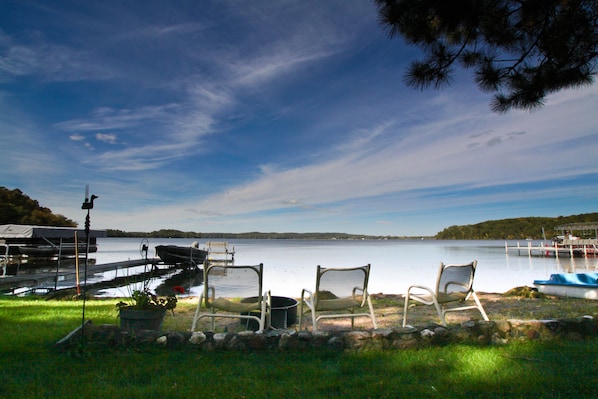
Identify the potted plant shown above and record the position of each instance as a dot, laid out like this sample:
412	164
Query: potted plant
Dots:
145	310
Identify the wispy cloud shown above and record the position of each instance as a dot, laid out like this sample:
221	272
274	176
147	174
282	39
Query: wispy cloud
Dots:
109	118
275	115
106	138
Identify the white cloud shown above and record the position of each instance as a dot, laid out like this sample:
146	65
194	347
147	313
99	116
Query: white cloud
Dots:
106	138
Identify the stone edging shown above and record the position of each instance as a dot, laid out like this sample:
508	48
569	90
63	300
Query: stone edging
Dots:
473	332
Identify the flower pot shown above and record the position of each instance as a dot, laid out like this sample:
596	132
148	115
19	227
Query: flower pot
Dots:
139	319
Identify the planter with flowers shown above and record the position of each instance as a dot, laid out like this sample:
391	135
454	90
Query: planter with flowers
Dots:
145	310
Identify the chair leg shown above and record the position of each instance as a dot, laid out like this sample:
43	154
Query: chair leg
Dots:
314	319
406	310
197	310
440	312
479	305
301	315
372	313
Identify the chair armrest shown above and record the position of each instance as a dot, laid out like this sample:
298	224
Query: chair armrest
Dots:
268	301
211	295
364	294
420	287
304	291
266	304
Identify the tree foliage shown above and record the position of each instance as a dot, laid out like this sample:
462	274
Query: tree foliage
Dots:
513	229
170	233
521	50
18	208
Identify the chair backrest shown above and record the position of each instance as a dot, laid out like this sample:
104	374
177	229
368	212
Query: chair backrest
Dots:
455	280
336	283
228	281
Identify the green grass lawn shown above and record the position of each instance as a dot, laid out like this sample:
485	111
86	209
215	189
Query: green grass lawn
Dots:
31	367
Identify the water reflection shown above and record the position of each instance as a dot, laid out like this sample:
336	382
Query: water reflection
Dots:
290	265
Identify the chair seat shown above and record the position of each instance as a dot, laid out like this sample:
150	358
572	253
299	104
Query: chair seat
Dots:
337	304
234	306
453	297
441	298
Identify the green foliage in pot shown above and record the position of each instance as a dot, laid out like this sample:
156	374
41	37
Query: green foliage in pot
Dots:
146	300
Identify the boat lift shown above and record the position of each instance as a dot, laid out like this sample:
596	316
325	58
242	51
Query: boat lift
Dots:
566	243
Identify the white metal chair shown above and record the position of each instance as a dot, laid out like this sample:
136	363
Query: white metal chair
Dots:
453	286
233	292
340	292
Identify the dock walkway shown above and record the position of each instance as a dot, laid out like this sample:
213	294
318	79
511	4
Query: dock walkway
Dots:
49	280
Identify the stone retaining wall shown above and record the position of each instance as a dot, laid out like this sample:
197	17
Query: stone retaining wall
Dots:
473	332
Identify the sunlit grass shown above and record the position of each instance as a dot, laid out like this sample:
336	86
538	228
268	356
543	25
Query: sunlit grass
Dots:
32	368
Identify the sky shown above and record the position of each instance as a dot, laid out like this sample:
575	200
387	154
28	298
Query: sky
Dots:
272	116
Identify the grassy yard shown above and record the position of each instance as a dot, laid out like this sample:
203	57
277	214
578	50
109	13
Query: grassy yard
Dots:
32	368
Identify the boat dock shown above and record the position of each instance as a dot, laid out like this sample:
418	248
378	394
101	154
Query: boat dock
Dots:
581	248
564	244
49	281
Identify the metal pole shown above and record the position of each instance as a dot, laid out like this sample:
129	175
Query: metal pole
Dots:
88	204
58	265
87	223
77	264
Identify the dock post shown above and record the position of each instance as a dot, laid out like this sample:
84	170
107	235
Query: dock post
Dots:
529	248
518	249
542	251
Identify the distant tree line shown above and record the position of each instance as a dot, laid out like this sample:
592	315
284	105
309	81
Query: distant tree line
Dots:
18	208
513	229
170	233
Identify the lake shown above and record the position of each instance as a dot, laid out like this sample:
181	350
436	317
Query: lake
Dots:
290	265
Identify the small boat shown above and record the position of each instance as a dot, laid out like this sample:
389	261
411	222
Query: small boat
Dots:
571	285
178	255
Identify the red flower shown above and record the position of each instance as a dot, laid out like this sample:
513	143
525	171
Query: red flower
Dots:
178	289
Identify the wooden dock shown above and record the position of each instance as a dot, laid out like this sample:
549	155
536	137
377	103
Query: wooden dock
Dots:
568	248
49	280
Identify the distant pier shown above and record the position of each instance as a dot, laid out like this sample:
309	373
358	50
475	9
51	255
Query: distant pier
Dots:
565	244
567	248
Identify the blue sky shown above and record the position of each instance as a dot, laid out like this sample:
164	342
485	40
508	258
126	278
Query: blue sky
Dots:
236	116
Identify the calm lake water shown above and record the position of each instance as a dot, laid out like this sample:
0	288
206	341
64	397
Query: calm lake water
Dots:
290	265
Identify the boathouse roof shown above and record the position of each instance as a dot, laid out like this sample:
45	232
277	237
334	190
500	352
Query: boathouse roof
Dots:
581	228
8	231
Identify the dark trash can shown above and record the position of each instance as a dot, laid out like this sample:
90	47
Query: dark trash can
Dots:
283	313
